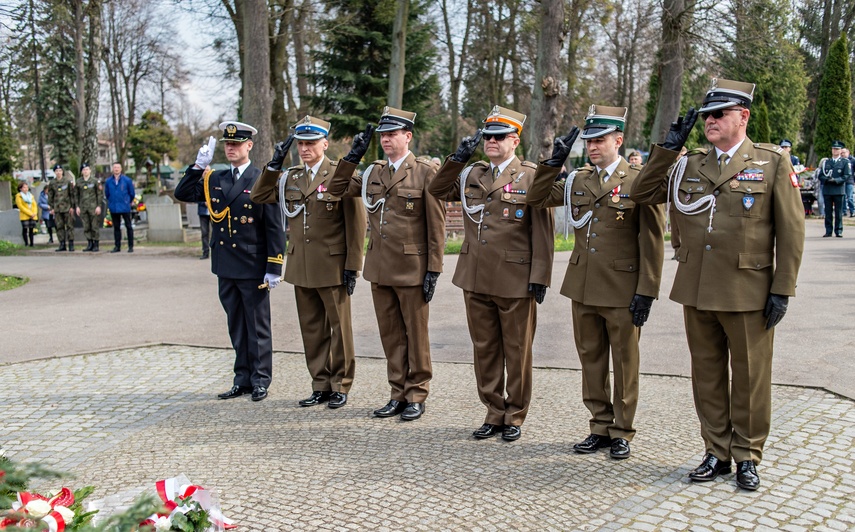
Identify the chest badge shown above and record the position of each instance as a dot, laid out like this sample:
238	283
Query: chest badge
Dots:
748	202
619	215
329	206
243	219
734	183
409	206
506	213
518	213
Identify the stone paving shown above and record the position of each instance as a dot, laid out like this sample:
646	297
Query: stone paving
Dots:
121	420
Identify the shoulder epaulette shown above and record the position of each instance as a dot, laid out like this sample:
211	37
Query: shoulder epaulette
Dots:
529	164
480	163
427	162
769	147
380	162
699	151
333	163
297	167
636	166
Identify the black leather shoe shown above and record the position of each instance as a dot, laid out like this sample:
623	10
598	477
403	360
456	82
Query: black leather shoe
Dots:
709	469
315	399
746	475
487	431
236	391
337	400
511	433
592	443
392	408
116	249
826	236
259	393
413	411
620	449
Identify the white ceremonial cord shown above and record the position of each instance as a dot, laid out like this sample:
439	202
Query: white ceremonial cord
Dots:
372	207
568	214
283	204
464	175
697	206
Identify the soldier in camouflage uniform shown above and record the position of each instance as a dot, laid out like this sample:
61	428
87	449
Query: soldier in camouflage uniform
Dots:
90	196
61	198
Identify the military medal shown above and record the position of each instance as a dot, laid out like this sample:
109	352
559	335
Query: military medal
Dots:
619	215
320	195
748	202
615	199
734	183
409	205
616	194
575	212
506	195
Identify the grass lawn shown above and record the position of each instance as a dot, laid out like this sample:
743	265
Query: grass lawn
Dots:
8	249
8	282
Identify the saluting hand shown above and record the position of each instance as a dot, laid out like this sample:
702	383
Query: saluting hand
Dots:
206	153
680	130
360	145
561	147
280	150
467	147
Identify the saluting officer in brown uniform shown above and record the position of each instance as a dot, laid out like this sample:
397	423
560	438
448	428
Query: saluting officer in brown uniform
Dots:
323	258
404	258
741	223
614	271
505	265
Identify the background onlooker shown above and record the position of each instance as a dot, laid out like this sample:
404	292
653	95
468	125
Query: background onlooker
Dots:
635	157
205	226
849	192
119	191
28	212
47	217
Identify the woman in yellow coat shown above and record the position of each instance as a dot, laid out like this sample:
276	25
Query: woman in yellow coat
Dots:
28	212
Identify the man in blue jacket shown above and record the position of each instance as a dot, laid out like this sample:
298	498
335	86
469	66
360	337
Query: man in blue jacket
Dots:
119	191
247	250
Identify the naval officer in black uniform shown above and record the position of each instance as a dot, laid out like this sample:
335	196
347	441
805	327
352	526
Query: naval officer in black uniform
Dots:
247	246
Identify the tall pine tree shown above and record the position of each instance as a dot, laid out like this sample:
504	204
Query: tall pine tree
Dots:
834	105
352	79
58	85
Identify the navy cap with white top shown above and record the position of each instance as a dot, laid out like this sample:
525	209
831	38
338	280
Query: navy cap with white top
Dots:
237	132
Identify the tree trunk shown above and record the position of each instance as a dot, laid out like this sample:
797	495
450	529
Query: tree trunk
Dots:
257	92
89	145
676	18
397	66
455	68
79	81
544	110
300	25
282	114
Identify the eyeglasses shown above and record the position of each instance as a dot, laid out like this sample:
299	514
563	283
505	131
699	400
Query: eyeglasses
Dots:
718	113
499	137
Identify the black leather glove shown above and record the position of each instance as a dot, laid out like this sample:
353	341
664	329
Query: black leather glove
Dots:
640	308
429	285
467	147
680	130
561	148
776	307
349	281
280	151
562	175
360	145
539	292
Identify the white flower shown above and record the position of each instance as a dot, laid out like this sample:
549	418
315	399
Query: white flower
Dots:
66	513
163	524
37	508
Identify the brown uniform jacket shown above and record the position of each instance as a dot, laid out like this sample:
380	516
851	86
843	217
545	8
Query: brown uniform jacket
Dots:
516	243
624	253
411	239
755	246
332	238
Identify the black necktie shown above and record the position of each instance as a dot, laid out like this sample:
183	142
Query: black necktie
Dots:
235	175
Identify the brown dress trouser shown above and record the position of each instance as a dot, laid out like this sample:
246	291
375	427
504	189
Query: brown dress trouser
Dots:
402	316
502	331
731	380
597	330
325	323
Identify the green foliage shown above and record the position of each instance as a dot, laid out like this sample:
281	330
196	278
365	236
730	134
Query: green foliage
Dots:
758	124
652	104
58	85
763	54
151	139
8	248
353	66
8	147
834	103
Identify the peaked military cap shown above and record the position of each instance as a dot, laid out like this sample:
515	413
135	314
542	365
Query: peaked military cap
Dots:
838	144
237	132
785	143
395	119
311	128
83	165
502	120
602	120
57	167
724	93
